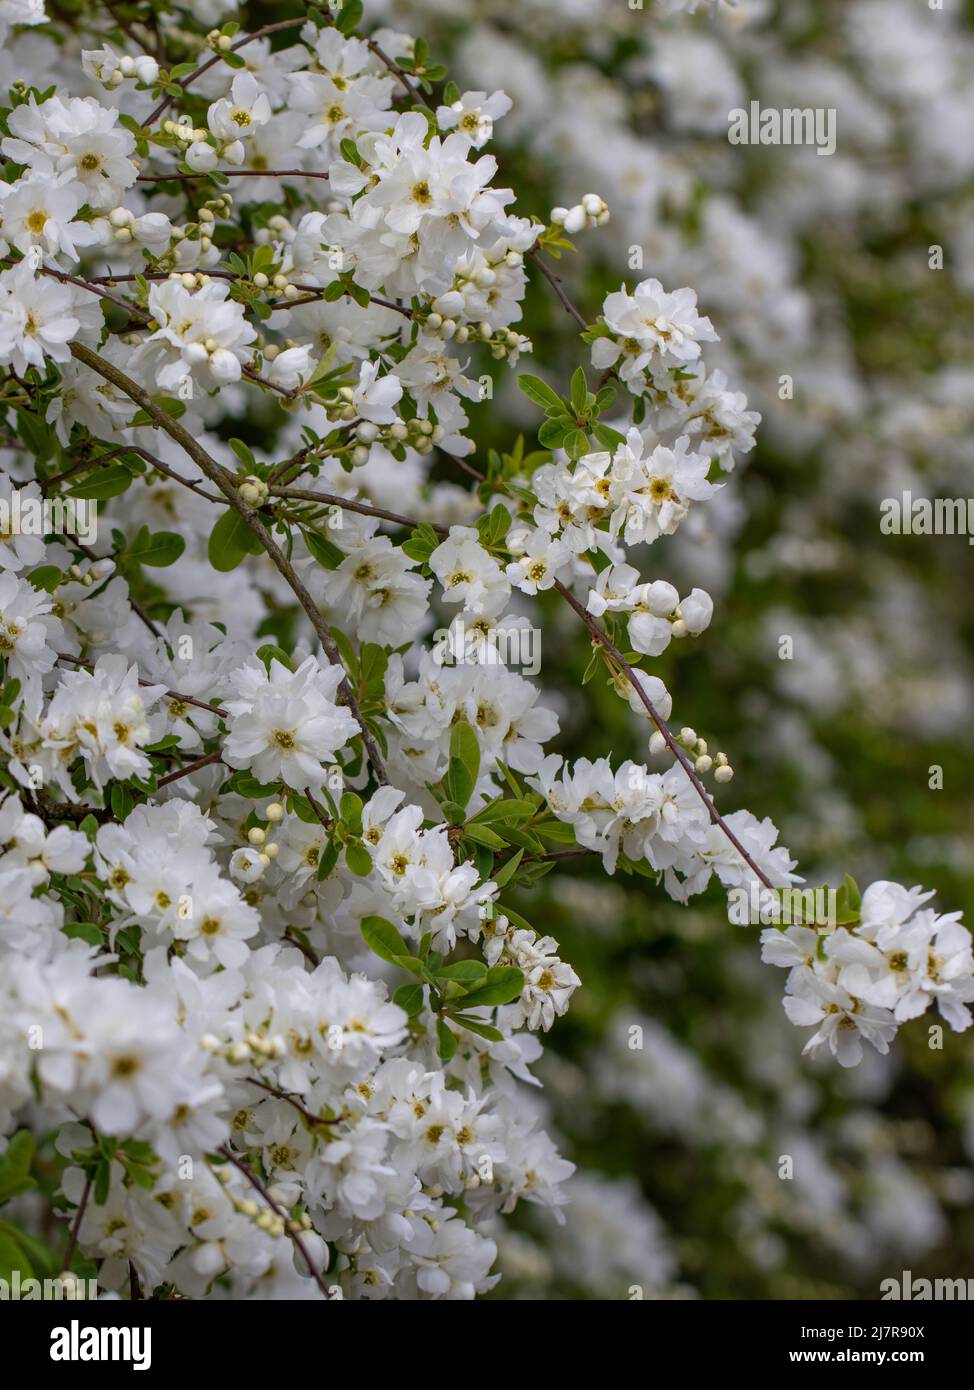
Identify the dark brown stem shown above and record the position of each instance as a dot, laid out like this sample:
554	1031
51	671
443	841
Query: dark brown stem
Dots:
191	77
558	288
170	694
606	643
291	1098
234	174
331	499
76	1225
258	1186
205	761
219	477
400	76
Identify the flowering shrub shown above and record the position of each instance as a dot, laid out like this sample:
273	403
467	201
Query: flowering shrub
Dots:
278	783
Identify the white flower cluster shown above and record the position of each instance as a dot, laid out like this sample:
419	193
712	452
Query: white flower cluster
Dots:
860	983
258	967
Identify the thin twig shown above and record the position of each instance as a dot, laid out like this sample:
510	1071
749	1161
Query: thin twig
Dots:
234	174
604	641
332	499
558	288
258	1186
169	694
205	761
218	475
400	76
191	77
291	1099
76	1225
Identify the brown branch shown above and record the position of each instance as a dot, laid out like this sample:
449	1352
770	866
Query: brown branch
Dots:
258	1186
205	761
76	1225
291	1098
558	288
191	77
218	475
604	641
234	174
332	499
400	76
169	694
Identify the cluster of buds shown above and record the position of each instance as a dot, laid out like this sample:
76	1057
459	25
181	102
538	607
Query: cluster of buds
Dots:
218	41
91	575
190	279
111	69
248	865
697	747
253	1048
505	343
592	211
183	130
280	284
203	228
421	435
263	1217
278	229
254	491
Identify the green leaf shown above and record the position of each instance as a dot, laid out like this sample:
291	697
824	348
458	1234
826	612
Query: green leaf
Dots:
230	541
540	392
46	577
358	859
507	871
327	859
243	451
157	550
85	931
509	810
103	483
853	896
483	835
410	998
446	1040
103	1178
15	1166
607	436
350	809
576	443
463	971
464	769
12	1257
349	17
579	390
325	552
476	1025
553	433
503	984
269	652
382	937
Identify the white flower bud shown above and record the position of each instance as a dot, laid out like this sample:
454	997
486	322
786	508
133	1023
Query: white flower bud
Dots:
575	219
